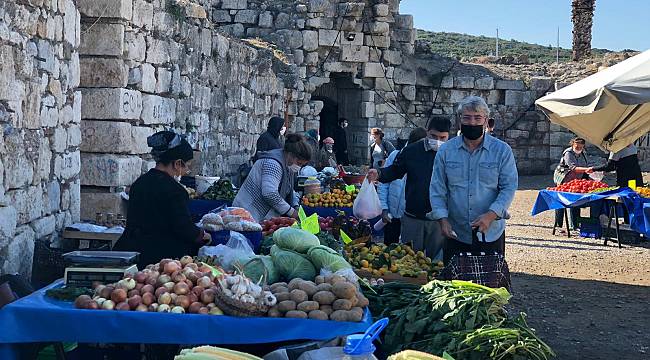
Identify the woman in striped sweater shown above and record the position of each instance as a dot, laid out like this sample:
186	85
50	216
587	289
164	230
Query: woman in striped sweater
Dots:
268	189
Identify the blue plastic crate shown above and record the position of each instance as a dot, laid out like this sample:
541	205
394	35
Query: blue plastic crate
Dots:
591	229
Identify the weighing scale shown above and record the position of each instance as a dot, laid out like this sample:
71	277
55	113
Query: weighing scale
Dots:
88	267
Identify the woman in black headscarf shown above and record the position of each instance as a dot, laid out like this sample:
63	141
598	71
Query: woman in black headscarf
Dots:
270	139
158	222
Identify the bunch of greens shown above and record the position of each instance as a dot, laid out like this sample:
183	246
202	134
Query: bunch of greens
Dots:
327	239
463	319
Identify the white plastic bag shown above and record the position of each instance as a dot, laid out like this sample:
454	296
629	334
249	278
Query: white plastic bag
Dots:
366	205
238	250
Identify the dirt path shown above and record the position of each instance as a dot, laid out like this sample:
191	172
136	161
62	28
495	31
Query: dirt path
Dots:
587	301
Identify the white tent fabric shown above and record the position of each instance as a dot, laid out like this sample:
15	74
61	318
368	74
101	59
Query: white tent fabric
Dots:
610	109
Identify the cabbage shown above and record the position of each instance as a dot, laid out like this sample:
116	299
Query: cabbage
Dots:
291	264
324	257
254	269
294	239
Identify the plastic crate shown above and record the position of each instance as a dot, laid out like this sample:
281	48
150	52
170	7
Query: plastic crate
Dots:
590	228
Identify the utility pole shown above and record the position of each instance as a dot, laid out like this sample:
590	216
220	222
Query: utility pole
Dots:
557	48
497	52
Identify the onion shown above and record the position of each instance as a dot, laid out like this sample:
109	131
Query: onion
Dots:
169	285
204	269
155	273
165	299
207	296
204	282
216	311
123	306
192	266
195	307
174	296
181	288
100	301
153	307
178	276
142	307
190	284
178	310
163	308
98	289
118	296
132	293
81	301
193	297
164	278
152	280
162	264
95	284
130	283
134	301
187	271
148	299
193	276
106	292
92	305
161	290
204	311
170	267
147	289
186	260
177	262
197	290
108	305
182	301
140	277
211	305
138	286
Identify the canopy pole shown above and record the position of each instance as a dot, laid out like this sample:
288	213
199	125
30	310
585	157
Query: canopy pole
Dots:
610	136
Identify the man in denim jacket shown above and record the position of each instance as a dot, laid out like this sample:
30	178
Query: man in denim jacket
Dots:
473	184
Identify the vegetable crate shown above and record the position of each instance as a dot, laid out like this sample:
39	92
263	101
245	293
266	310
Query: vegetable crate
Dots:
590	228
394	277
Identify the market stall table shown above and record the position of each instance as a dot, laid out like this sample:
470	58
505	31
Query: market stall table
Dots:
37	318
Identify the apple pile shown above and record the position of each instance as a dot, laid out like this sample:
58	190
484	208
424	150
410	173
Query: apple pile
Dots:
271	225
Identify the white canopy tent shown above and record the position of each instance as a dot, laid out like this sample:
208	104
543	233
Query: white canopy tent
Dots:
610	109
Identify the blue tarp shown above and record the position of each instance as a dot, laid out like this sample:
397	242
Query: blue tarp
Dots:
327	211
37	318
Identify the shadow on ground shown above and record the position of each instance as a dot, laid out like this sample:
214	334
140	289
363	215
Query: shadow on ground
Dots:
586	319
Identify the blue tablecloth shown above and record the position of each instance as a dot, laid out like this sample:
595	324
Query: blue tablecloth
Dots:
638	216
37	318
327	211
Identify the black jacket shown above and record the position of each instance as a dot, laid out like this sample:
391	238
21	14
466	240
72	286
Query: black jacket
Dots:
158	223
270	139
627	168
341	146
417	163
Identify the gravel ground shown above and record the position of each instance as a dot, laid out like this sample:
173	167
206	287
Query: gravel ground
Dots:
586	300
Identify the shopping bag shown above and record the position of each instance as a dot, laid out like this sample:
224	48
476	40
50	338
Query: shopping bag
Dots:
366	205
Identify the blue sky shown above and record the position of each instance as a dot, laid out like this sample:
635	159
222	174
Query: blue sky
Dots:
618	24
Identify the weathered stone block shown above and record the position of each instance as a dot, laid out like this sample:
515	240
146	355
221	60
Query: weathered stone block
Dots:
66	166
43	226
484	83
136	46
158	110
18	170
103	72
148	80
158	51
163	80
27	202
18	256
265	20
447	82
106	136
53	200
310	40
514	98
464	82
541	83
318	6
405	35
379	28
122	9
246	17
236	30
367	109
404	21
381	10
383	84
494	97
109	170
139	135
405	76
312	59
94	202
542	126
373	70
368	95
8	221
510	85
409	92
517	134
329	38
142	14
393	57
102	39
355	53
111	104
221	16
59	140
379	41
234	4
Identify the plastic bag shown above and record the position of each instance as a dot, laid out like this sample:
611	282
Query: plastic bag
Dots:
367	205
348	274
237	251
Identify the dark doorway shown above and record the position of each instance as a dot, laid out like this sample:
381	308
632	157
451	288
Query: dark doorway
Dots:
329	117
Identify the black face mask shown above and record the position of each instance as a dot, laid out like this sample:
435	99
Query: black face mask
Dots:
472	132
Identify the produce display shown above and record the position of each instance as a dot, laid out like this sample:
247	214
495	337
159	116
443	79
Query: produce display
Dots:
271	225
336	198
325	223
463	319
213	353
330	297
232	218
170	286
603	189
380	259
240	288
221	190
643	191
353	227
69	293
581	186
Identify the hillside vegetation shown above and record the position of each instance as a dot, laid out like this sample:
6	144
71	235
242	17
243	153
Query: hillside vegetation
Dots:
468	46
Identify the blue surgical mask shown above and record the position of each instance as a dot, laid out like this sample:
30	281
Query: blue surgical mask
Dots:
294	168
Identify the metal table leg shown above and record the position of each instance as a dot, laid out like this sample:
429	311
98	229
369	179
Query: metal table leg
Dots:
618	235
609	223
566	220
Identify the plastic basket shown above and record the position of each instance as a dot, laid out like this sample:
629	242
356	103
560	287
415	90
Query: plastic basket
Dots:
590	228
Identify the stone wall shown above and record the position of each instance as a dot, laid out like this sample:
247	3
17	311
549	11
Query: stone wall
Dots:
40	114
148	65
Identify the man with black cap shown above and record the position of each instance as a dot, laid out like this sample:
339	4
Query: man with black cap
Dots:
270	139
416	162
159	224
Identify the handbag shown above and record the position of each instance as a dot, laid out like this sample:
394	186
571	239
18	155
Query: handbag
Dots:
490	270
560	174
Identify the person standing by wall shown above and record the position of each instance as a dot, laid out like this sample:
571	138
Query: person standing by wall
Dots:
270	139
573	165
326	157
379	149
473	184
392	195
341	142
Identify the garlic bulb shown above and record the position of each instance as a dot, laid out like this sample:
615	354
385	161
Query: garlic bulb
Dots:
247	298
255	290
239	289
269	299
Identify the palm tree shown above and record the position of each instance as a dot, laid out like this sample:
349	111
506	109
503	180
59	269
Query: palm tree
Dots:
582	15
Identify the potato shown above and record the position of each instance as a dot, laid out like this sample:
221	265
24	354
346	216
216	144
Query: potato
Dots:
344	290
328	278
308	287
327	309
308	306
324	297
296	314
336	279
340	315
354	301
342	304
356	314
299	296
293	284
319	279
318	315
324	287
363	300
282	296
274	312
287	305
280	290
278	284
